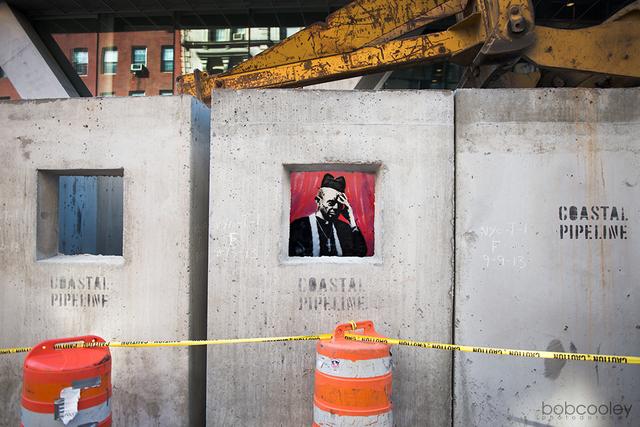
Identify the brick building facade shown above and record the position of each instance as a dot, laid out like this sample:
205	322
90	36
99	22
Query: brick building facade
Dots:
103	62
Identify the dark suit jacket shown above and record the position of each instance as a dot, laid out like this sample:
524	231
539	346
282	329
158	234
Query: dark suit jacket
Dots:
300	244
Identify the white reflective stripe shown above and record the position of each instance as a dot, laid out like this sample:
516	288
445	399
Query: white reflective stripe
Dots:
335	237
315	238
327	419
95	414
353	369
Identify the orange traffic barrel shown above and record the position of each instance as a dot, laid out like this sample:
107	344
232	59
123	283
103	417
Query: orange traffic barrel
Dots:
69	387
352	380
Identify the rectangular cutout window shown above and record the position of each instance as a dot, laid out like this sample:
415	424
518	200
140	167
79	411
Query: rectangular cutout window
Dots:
136	93
109	60
166	60
80	60
332	213
80	212
167	92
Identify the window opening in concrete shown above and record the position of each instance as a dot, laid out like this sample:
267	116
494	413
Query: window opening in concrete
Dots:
136	93
80	212
332	213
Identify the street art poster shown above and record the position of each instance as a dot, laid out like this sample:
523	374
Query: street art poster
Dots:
332	214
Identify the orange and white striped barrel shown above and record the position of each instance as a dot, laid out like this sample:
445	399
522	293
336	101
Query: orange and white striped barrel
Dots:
352	380
69	387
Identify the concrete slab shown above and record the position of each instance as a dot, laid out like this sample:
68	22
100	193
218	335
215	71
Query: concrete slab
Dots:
405	138
533	271
156	290
27	62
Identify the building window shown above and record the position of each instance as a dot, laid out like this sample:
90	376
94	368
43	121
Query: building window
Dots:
238	34
260	33
166	92
220	35
80	60
274	33
136	93
109	60
292	30
166	61
139	55
1	73
107	94
5	98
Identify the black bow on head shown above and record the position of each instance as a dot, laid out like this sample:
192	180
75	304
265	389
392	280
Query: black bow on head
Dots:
338	183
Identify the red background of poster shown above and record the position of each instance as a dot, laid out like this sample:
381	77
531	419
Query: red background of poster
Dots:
360	192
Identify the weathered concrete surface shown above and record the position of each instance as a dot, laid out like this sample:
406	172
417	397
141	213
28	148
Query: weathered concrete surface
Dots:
255	289
522	156
28	63
156	290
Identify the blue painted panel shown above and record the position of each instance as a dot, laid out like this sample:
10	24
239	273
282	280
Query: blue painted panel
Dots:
90	215
77	216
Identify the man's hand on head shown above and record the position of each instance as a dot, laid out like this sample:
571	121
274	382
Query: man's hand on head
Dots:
348	211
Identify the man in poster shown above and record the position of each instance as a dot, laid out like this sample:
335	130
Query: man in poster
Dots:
323	233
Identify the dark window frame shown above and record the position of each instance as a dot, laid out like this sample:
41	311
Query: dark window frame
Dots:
163	62
146	55
75	64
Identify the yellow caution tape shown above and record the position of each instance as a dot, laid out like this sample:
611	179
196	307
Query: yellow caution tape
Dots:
604	358
14	350
184	343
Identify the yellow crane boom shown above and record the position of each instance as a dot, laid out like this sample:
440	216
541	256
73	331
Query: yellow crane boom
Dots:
490	38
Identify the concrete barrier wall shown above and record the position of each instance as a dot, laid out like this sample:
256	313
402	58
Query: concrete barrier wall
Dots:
533	271
536	271
256	289
156	290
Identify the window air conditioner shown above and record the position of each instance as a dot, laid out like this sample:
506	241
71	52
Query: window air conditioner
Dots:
238	36
137	68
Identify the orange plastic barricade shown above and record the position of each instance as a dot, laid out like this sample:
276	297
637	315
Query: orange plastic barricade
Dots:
352	380
69	387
